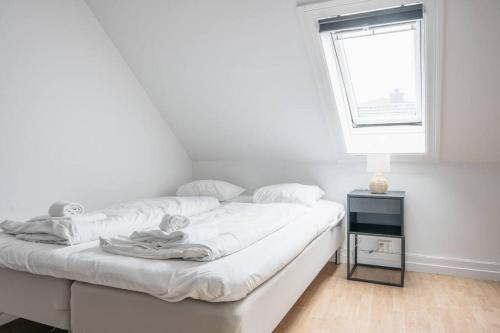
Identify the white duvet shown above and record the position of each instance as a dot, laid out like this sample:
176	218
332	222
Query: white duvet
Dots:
120	219
227	279
209	236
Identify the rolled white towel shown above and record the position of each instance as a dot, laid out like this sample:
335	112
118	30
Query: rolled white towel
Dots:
171	223
63	208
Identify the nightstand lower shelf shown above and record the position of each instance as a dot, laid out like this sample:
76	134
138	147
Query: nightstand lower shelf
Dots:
385	273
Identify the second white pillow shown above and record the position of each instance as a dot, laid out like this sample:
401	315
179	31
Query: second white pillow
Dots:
296	193
212	188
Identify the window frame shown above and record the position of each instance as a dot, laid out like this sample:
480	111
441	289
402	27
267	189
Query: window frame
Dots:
431	41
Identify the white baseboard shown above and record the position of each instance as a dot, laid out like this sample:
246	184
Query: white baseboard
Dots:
469	268
484	270
6	318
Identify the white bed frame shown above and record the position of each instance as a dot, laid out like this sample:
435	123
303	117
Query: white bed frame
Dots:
98	309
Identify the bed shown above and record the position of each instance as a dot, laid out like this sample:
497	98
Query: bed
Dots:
128	302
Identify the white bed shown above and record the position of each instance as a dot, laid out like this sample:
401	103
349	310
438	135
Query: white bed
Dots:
260	312
228	279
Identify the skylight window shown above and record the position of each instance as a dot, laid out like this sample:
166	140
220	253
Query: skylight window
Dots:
381	72
379	63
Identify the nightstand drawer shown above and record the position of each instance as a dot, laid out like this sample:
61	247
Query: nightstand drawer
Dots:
375	205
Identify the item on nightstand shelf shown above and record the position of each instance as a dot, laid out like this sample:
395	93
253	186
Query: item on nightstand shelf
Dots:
378	163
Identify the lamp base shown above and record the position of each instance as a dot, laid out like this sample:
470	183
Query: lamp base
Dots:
379	184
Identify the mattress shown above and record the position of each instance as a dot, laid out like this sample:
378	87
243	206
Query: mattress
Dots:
228	279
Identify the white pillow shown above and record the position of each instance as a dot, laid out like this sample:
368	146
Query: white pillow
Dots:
296	193
212	188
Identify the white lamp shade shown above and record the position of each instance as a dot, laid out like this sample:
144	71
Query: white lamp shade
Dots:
378	163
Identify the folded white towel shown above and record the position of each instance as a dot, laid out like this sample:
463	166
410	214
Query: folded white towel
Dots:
171	223
126	247
89	217
41	238
47	218
155	236
63	208
57	230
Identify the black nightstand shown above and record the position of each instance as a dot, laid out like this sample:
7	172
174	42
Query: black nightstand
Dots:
379	215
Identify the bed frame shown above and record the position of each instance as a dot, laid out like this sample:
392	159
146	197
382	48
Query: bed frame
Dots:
97	309
39	298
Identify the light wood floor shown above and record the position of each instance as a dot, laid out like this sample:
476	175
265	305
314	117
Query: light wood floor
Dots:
427	303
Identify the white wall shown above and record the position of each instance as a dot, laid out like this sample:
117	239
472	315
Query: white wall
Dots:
452	212
74	122
471	98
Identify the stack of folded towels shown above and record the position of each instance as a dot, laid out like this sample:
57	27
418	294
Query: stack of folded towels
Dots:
44	228
170	230
148	243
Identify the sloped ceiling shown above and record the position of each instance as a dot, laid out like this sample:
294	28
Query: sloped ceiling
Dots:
233	79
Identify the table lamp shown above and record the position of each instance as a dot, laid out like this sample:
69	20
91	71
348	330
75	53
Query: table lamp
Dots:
378	164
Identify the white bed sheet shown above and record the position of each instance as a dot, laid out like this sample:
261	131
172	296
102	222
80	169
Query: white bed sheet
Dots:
226	279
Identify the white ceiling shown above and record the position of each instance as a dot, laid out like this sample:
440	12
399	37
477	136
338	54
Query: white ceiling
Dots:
233	79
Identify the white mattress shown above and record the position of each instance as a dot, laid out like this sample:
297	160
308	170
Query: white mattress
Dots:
227	279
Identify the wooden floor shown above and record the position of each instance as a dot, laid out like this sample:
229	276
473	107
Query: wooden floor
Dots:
427	303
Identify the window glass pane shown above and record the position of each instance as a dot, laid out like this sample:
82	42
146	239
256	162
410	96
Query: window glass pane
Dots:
381	73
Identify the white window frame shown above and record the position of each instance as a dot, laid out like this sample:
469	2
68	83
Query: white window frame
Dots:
432	54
